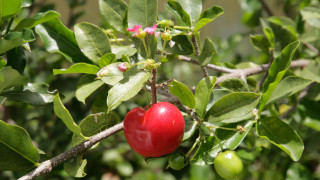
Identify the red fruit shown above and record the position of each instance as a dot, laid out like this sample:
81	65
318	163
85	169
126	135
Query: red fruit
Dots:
155	132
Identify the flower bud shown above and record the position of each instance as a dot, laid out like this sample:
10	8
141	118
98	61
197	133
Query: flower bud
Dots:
124	67
166	23
149	64
166	36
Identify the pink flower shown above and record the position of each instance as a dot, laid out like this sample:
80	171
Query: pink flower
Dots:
123	67
138	30
150	30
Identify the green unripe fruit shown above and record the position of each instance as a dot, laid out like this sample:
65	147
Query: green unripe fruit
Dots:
176	162
166	23
228	164
166	36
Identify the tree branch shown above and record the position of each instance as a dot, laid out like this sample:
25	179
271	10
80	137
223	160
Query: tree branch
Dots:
153	86
46	166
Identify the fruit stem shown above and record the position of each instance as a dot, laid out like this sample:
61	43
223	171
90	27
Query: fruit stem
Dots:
219	142
192	148
153	86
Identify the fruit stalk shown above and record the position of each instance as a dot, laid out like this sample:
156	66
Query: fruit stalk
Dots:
153	86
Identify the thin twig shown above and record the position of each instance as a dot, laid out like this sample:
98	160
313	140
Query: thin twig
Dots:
46	166
197	53
312	48
266	8
153	86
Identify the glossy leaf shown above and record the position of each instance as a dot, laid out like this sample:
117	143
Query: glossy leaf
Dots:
95	123
114	13
57	38
17	59
208	15
236	85
38	18
35	94
86	86
119	51
111	74
311	15
181	46
65	116
14	39
260	43
207	52
287	87
142	12
175	5
209	148
10	78
234	106
107	59
203	93
92	41
26	3
191	127
126	88
282	135
193	8
18	152
75	167
277	70
184	94
9	8
78	68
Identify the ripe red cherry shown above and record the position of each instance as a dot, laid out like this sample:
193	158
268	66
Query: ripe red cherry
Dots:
155	132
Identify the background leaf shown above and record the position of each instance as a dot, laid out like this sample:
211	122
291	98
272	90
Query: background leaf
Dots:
175	5
35	94
75	166
207	52
9	8
184	94
86	86
312	71
113	12
282	135
142	12
14	39
260	43
10	78
78	68
126	88
58	38
16	147
193	8
277	70
311	15
233	107
92	41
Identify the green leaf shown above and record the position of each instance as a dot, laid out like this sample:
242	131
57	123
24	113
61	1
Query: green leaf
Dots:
119	51
151	43
18	152
114	13
312	71
58	38
311	15
65	116
16	58
184	94
35	94
142	12
38	18
237	85
260	43
193	8
78	68
209	148
203	93
9	8
126	88
234	106
283	30
11	78
208	15
107	59
181	46
111	74
75	166
191	127
86	86
298	171
95	123
207	52
175	5
92	41
287	87
282	135
14	39
277	70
